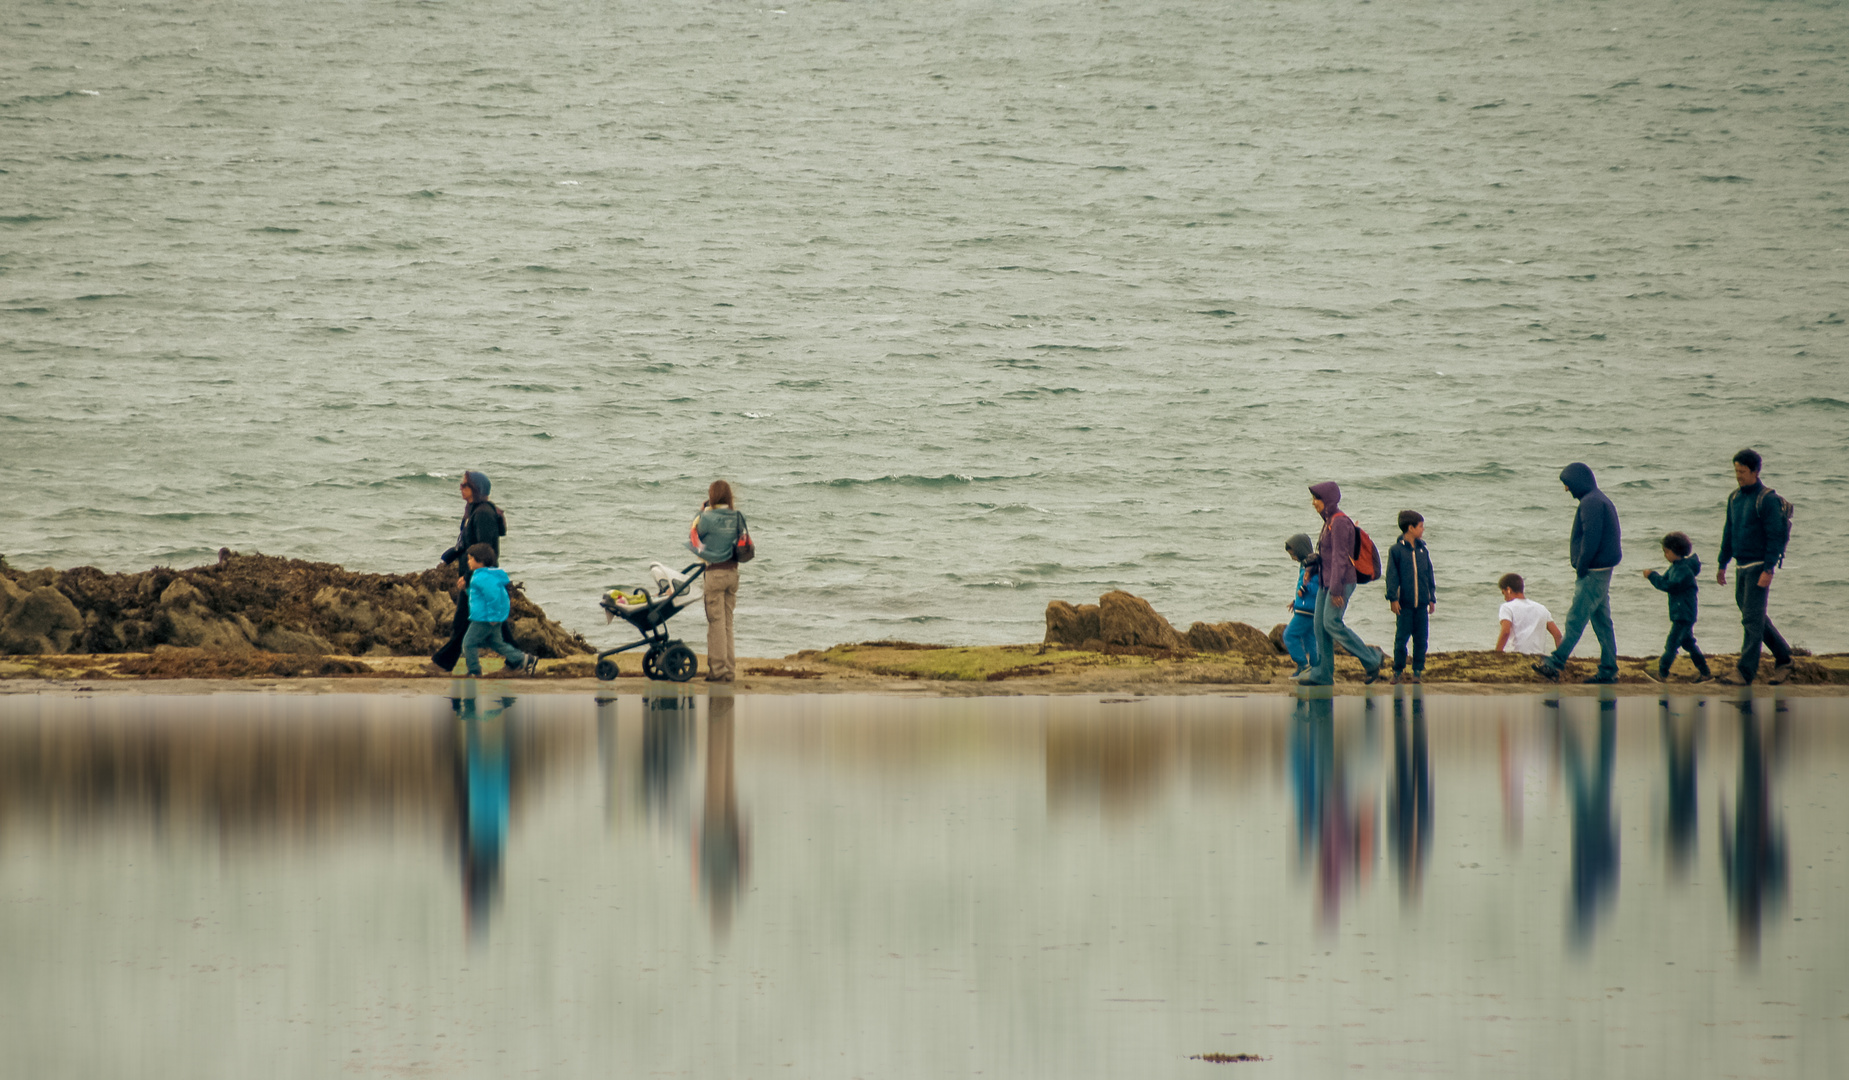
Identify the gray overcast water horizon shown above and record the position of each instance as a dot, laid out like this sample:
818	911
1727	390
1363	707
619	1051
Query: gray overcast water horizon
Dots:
979	305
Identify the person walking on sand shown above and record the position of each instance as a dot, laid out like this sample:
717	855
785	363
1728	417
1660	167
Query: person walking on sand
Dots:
482	523
1595	551
716	534
1758	528
1336	549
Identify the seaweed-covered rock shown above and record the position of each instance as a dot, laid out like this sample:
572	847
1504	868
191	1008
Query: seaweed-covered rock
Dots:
1232	637
1069	625
36	619
249	603
1128	620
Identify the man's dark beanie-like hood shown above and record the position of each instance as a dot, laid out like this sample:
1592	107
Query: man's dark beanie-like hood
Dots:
1578	479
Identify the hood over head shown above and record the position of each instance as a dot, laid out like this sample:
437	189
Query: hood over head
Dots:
479	481
1578	479
1330	493
1300	546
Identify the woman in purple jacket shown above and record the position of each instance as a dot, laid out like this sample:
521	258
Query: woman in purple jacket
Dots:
1336	549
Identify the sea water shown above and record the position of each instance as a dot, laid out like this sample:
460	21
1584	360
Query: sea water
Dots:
978	305
251	885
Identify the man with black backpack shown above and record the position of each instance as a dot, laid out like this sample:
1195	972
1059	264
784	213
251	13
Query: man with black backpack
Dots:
1758	528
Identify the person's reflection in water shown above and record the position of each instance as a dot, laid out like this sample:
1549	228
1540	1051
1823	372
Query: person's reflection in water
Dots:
1753	865
667	746
1410	827
487	771
1341	829
1681	748
1595	823
725	848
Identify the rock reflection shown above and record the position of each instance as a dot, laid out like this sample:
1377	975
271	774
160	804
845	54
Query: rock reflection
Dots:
1409	806
1594	873
1753	862
724	845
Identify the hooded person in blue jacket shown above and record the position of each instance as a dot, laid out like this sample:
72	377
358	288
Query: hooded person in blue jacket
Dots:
1595	552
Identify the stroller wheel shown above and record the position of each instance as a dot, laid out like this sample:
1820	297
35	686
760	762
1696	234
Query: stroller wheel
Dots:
606	669
678	663
651	662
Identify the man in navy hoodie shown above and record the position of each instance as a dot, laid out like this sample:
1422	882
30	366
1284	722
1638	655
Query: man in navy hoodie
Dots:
1595	553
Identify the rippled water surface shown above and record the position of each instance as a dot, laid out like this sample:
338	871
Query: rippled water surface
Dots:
980	304
854	887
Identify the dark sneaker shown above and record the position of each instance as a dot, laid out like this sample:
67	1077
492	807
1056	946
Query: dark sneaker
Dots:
1398	678
1703	676
1599	680
1546	671
1372	678
1780	675
1734	678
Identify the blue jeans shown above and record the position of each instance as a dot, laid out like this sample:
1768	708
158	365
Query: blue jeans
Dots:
489	634
1752	597
1330	629
1300	639
1591	604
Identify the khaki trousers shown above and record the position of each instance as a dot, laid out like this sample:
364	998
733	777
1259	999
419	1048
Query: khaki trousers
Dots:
721	593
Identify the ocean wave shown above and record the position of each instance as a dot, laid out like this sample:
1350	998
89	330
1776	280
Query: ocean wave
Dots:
947	480
1492	470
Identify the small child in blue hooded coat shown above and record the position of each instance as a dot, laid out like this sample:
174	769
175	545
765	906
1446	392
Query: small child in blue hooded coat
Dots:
1300	632
489	607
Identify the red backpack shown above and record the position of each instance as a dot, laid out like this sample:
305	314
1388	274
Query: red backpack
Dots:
1366	557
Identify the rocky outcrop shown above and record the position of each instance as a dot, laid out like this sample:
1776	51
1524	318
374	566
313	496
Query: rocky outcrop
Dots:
1239	638
1127	620
1121	622
36	619
248	604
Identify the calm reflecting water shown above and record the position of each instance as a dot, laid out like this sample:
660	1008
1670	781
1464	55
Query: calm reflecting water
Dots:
836	886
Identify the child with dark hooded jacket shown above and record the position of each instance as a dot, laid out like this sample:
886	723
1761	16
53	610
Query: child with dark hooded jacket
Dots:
1300	632
1683	585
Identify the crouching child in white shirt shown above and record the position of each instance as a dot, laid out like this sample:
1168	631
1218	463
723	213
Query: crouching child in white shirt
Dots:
1526	625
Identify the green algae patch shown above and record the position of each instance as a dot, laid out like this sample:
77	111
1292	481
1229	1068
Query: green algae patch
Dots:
975	663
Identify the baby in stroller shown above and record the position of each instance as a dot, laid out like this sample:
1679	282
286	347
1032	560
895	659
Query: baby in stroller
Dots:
648	609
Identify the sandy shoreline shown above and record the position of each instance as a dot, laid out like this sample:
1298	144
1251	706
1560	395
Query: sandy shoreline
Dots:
886	669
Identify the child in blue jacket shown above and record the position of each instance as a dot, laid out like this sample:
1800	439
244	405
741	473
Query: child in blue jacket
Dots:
1300	632
488	609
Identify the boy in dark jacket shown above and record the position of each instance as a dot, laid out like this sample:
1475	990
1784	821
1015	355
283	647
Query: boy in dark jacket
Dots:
1683	587
1412	590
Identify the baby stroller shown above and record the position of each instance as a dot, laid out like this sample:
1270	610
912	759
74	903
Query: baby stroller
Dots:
648	611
